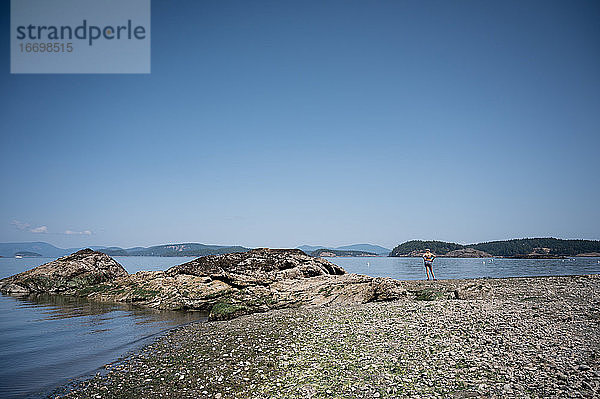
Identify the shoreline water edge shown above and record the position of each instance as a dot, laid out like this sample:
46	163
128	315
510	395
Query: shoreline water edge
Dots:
314	331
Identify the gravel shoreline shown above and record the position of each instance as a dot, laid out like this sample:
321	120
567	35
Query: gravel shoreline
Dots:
527	337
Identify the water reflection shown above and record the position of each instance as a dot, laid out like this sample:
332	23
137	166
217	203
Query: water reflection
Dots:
64	307
45	340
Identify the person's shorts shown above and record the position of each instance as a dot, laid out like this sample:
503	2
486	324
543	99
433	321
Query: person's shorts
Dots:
429	264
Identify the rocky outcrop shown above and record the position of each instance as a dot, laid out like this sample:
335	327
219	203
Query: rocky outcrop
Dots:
539	253
224	286
417	253
258	267
467	253
65	275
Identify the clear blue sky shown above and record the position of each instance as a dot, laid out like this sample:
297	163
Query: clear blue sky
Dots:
283	123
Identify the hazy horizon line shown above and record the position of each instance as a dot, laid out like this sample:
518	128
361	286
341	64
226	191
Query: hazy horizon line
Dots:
333	246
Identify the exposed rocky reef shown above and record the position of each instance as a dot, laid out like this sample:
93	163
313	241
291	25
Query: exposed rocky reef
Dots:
223	286
467	253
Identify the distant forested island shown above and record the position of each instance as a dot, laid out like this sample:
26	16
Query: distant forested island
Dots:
516	248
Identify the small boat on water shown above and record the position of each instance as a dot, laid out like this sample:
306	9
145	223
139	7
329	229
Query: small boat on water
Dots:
18	257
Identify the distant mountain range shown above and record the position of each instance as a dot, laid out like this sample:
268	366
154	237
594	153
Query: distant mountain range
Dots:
43	249
376	249
517	248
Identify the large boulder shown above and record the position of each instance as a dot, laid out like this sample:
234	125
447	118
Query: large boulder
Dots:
260	266
65	275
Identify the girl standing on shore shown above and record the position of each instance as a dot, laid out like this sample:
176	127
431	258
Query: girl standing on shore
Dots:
428	258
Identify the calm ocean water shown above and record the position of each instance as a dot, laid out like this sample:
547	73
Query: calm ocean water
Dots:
46	341
452	268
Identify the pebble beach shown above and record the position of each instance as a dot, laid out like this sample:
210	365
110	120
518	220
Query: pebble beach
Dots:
526	337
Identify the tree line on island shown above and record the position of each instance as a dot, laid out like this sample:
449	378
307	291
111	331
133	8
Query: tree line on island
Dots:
516	248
